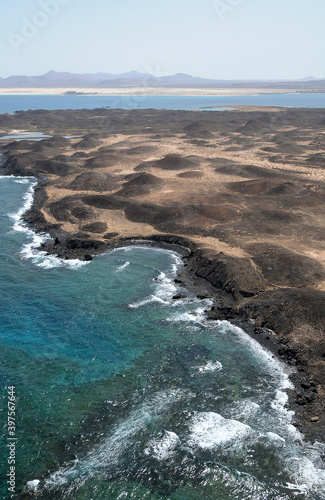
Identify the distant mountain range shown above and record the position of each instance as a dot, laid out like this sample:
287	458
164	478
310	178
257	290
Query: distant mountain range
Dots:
135	79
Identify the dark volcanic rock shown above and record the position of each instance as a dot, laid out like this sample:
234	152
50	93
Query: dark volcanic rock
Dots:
108	202
109	236
75	243
164	218
284	188
19	145
55	167
80	235
20	164
176	162
285	148
71	209
219	212
247	171
192	174
139	184
286	309
253	127
282	267
143	167
199	134
142	212
141	150
263	186
57	141
200	142
234	275
102	161
64	158
79	155
87	143
93	181
95	227
289	136
222	163
196	126
316	159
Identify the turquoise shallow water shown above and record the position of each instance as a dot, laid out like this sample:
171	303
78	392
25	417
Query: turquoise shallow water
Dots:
11	103
124	393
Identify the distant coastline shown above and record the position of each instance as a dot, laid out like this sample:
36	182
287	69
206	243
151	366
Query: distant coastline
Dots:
154	91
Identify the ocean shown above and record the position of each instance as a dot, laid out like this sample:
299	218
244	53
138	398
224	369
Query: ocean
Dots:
119	391
12	103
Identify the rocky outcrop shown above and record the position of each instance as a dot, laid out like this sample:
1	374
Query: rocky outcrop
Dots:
237	276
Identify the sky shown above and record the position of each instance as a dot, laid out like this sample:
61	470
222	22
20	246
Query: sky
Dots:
221	39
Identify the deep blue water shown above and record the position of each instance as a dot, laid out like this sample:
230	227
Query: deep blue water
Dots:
123	392
12	103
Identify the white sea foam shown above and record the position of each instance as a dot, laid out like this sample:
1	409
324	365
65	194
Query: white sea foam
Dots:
245	409
285	416
177	260
161	277
165	288
27	203
22	181
122	267
163	292
306	476
177	264
268	363
276	370
210	366
147	300
109	452
32	485
162	448
275	437
196	316
41	258
209	430
247	486
261	354
30	249
249	412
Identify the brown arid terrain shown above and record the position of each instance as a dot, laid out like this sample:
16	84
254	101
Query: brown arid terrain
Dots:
243	191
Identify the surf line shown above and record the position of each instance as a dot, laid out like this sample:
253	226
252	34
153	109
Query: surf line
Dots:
30	250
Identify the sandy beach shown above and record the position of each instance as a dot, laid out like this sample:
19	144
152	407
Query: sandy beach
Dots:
152	91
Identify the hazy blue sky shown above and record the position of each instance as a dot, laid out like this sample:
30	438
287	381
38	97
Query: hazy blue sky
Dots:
226	39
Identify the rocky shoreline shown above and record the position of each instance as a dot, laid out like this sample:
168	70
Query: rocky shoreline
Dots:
120	185
304	399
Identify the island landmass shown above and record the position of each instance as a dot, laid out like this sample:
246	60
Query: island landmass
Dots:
241	193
